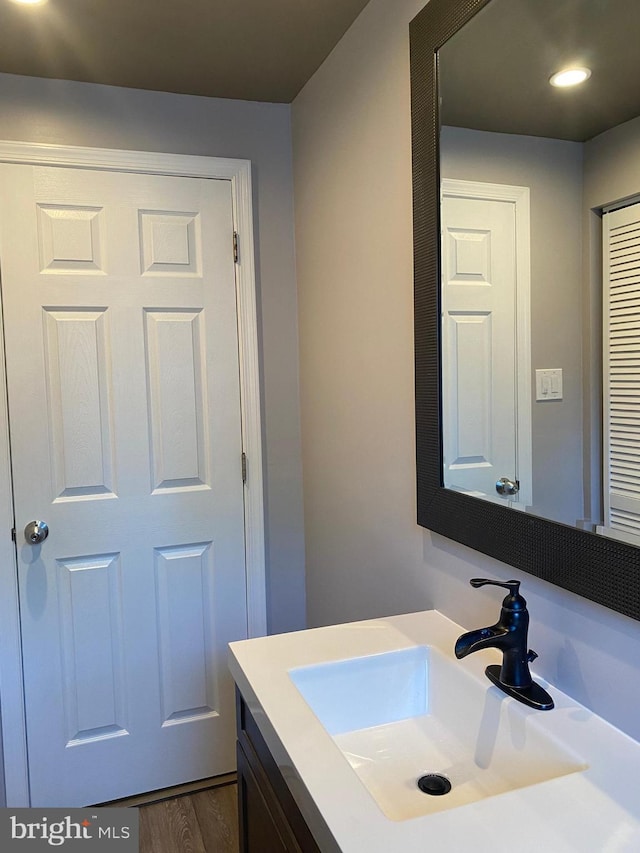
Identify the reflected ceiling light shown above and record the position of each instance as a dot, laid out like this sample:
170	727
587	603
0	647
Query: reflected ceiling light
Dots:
570	77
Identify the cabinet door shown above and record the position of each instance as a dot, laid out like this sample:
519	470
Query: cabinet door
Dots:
261	829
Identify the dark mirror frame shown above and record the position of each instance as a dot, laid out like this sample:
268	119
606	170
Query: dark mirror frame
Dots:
601	569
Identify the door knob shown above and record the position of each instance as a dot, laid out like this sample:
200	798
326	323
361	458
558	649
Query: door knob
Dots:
36	532
507	487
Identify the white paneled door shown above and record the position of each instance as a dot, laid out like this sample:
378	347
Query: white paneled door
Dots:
123	383
485	352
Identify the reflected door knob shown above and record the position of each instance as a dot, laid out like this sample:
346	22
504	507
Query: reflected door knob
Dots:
36	532
507	487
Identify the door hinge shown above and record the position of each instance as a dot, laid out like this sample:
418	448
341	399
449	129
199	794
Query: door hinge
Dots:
235	247
244	467
13	534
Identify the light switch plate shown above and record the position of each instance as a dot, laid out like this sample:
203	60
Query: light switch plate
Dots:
549	384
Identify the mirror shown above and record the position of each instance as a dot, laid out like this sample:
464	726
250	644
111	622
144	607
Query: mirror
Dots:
526	173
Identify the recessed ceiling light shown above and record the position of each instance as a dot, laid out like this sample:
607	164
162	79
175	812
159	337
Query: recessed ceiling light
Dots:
570	77
30	2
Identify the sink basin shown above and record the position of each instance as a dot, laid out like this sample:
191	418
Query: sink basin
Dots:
399	715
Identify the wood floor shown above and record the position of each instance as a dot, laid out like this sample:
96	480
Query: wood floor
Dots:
202	822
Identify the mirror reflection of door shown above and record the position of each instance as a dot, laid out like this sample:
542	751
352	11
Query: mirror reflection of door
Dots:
621	373
485	341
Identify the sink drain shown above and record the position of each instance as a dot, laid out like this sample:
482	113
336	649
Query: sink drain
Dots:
434	784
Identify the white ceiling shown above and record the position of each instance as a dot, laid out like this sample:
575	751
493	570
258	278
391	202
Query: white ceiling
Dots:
261	50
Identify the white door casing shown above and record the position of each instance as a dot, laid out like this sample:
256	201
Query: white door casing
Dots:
97	571
486	359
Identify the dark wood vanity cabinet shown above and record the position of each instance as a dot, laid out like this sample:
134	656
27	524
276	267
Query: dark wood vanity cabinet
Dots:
270	821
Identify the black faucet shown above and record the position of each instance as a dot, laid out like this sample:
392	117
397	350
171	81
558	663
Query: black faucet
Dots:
509	634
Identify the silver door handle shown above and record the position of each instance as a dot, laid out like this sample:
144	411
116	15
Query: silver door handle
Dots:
36	532
507	487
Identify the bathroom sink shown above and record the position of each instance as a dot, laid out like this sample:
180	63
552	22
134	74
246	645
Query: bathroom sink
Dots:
400	715
354	714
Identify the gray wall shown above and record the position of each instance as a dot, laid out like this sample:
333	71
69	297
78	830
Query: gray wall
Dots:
352	174
366	556
611	160
66	113
552	169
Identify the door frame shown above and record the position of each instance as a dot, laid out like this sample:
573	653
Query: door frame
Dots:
238	172
519	197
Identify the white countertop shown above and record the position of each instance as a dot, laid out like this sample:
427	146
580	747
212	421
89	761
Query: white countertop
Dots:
590	811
